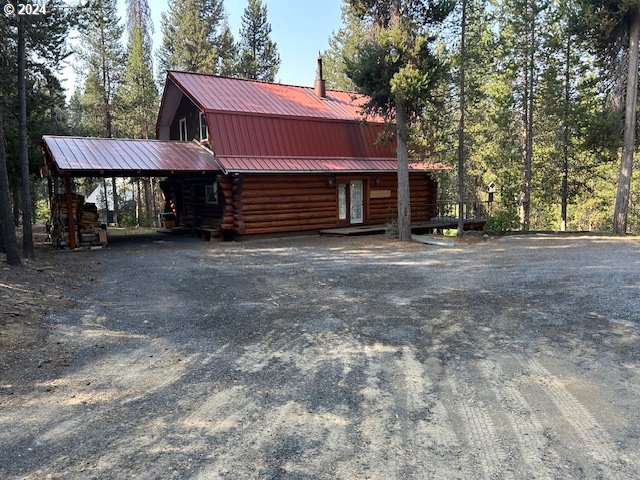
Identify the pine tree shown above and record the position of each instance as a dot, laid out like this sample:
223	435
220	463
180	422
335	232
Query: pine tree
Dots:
102	57
137	97
8	241
259	58
194	37
343	44
398	71
228	53
618	30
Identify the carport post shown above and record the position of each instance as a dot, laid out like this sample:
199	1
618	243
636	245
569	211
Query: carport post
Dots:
71	221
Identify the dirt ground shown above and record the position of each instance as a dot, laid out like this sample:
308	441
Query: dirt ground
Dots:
323	358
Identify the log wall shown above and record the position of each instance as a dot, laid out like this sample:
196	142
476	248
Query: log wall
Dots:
263	203
192	209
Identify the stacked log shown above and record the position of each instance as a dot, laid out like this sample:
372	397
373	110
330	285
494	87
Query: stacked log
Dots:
89	226
263	204
281	203
88	231
60	221
385	208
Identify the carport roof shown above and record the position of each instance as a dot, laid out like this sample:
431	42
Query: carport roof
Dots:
126	157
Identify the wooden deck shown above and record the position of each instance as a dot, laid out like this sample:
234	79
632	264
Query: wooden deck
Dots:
416	227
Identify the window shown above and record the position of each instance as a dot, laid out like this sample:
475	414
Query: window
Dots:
182	124
342	201
211	194
204	134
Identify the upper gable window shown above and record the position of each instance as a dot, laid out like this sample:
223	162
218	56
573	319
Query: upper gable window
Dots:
182	124
204	133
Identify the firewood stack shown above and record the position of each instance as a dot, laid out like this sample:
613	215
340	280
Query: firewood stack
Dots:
59	223
88	225
88	230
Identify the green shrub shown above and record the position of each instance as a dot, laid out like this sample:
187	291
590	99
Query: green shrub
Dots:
392	229
502	221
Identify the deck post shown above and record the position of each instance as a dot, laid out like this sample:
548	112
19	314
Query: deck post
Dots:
71	221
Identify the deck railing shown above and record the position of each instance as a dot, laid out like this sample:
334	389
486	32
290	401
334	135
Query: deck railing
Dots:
446	210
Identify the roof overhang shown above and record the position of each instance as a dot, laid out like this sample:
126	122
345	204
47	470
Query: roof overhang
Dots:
257	164
110	157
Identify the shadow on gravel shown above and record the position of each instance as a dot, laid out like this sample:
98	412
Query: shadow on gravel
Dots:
335	358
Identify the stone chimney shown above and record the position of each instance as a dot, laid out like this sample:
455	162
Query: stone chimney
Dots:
320	88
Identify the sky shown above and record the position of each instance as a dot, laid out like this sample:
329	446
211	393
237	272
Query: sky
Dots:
300	29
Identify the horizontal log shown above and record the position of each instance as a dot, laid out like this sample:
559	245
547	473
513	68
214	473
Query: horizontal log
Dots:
298	180
284	178
257	218
267	230
288	191
302	206
291	199
330	220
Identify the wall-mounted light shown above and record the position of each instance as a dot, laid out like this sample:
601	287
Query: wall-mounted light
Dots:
331	182
377	182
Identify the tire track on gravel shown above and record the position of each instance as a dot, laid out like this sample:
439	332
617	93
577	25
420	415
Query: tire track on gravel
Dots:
472	419
594	439
427	435
529	432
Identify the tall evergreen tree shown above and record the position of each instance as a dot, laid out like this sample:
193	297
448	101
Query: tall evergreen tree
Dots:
38	43
343	44
398	71
618	33
259	58
137	96
8	241
192	34
103	59
228	53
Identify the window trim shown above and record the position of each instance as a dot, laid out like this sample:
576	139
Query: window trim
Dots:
206	127
182	121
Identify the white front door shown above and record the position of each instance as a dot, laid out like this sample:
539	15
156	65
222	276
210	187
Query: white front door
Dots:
357	205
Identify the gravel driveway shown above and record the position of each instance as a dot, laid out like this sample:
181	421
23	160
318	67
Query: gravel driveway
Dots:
314	358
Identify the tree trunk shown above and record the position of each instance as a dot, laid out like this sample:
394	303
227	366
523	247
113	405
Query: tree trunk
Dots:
525	120
526	201
7	231
116	208
404	205
626	166
148	202
15	193
564	189
460	232
27	234
2	227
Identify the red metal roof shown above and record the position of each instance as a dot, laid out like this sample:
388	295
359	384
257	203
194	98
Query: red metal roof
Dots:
238	164
288	137
125	155
222	94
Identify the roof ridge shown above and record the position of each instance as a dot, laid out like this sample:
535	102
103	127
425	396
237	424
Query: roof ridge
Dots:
263	82
117	138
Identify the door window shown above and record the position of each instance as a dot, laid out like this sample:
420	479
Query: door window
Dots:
356	194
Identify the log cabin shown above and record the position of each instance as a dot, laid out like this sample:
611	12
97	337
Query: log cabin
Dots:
291	158
242	157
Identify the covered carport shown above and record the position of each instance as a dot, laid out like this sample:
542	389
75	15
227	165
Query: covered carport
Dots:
68	157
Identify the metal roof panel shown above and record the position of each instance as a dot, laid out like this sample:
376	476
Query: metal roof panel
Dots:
224	94
119	155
